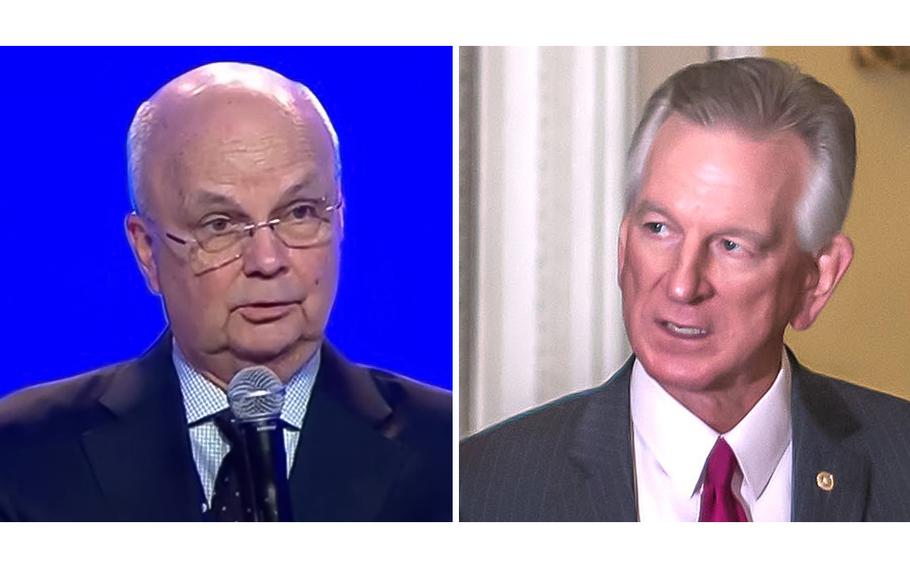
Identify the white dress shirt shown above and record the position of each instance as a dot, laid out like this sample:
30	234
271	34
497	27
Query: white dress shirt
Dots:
202	400
671	446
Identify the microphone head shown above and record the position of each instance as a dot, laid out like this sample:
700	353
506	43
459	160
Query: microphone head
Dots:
255	393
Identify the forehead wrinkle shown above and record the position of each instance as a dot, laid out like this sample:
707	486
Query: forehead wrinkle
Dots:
258	154
298	104
290	149
190	151
688	160
232	159
208	197
249	145
299	184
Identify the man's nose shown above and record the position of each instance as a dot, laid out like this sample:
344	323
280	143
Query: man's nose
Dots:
687	280
264	253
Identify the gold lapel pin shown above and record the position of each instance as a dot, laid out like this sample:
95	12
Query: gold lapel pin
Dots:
825	481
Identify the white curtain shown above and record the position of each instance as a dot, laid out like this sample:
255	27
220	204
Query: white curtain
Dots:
544	132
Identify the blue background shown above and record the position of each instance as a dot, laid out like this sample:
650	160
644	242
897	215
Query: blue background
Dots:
73	298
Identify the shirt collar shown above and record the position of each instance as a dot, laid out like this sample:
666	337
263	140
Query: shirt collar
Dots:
203	399
681	442
762	436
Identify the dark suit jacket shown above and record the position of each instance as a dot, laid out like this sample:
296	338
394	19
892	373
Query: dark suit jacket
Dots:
571	460
113	444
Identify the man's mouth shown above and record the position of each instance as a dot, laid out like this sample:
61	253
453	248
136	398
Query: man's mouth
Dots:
262	312
685	330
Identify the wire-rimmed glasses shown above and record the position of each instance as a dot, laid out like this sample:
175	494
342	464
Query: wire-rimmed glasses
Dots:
219	240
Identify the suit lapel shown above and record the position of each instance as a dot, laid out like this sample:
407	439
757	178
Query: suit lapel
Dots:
347	459
821	424
602	449
141	457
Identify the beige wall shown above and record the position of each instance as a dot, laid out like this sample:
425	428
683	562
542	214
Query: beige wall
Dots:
863	335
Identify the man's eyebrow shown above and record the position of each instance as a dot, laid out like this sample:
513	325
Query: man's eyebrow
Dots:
202	198
205	197
303	187
760	239
647	206
294	191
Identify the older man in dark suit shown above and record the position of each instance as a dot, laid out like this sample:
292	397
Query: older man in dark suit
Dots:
237	224
738	182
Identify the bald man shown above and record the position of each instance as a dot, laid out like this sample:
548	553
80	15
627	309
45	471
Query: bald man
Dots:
235	180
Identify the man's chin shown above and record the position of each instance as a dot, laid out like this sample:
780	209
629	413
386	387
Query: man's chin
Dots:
264	348
679	373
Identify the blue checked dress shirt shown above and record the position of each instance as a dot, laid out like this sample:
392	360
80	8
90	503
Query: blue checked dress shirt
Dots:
202	400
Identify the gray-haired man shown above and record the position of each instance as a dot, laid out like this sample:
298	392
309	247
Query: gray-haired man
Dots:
738	182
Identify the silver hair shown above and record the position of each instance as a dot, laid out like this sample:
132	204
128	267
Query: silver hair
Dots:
143	124
762	96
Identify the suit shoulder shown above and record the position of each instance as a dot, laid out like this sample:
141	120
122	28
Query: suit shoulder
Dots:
877	399
410	395
871	422
56	407
422	413
420	423
533	426
521	468
860	399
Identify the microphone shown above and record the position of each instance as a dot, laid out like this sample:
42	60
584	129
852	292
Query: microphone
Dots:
256	396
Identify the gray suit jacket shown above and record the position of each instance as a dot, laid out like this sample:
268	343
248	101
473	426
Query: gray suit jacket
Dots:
571	460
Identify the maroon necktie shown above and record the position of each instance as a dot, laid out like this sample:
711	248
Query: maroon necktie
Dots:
718	504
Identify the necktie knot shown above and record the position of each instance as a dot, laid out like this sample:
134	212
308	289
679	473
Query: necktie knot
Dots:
227	424
718	502
721	464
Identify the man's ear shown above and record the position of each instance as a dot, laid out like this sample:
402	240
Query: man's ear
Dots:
141	243
830	266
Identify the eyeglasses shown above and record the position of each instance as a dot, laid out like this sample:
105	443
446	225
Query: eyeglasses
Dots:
220	240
